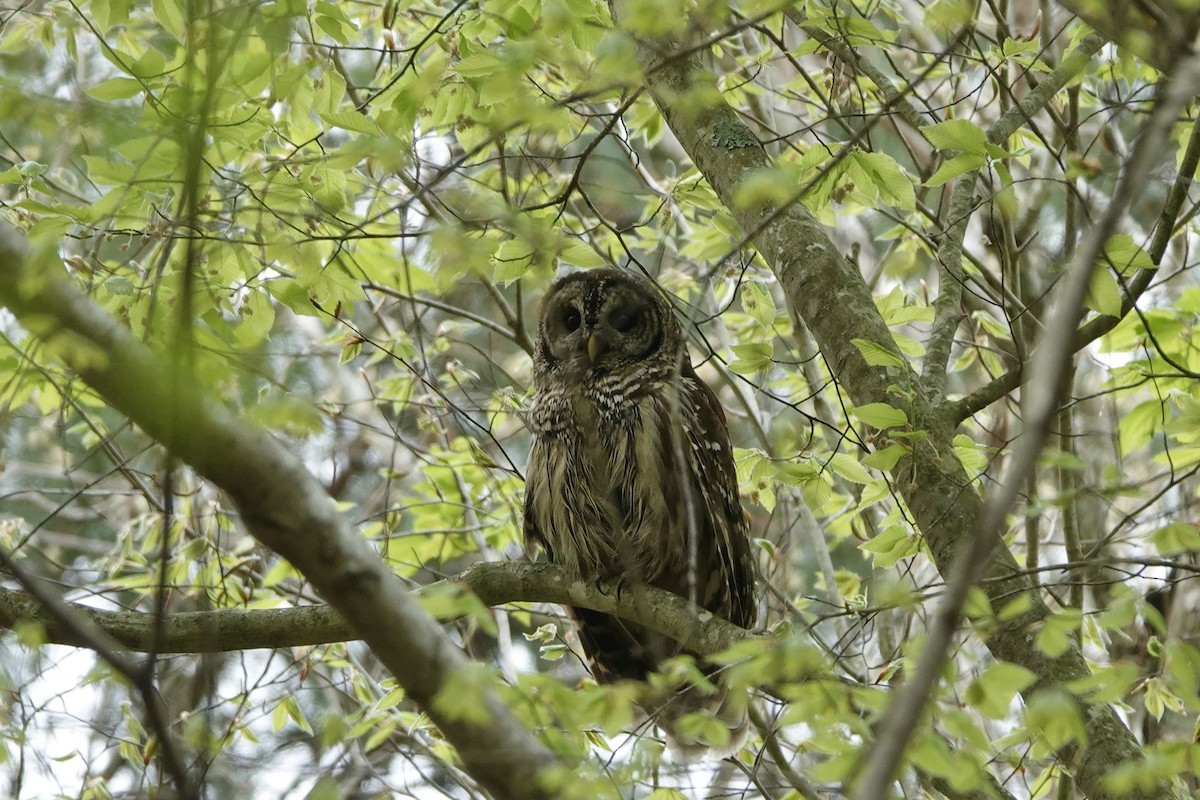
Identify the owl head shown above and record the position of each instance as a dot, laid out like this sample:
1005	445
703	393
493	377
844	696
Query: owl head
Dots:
603	321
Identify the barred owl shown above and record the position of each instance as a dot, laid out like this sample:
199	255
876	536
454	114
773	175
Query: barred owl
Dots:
631	477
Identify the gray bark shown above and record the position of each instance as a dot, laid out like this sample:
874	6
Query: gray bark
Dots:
829	294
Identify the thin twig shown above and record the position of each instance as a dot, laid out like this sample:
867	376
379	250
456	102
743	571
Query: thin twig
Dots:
73	620
948	305
1096	327
1050	362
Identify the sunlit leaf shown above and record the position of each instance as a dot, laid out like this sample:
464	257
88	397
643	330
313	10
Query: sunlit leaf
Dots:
880	415
876	355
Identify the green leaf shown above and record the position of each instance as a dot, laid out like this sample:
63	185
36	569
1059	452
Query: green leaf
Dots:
289	709
993	691
886	458
326	788
758	303
892	544
893	184
947	16
1107	684
106	13
877	355
351	121
970	454
30	634
478	65
1104	295
1055	715
116	89
909	313
1058	632
1175	538
170	16
849	468
908	345
452	600
113	173
772	185
1139	425
956	134
952	168
1159	698
878	489
119	285
1016	47
880	415
1125	255
751	358
331	19
932	755
258	317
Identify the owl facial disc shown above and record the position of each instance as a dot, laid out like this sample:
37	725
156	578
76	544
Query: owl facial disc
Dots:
605	320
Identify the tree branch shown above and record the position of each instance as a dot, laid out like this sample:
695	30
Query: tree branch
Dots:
1160	33
494	583
948	305
1096	327
1051	363
219	631
830	296
73	622
847	54
282	505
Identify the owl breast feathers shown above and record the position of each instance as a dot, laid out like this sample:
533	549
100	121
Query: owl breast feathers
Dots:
631	476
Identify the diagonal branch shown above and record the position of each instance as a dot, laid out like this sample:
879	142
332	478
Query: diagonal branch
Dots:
494	584
282	504
1052	364
830	296
948	305
1096	327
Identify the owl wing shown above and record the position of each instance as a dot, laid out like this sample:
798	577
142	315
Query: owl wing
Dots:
534	475
725	534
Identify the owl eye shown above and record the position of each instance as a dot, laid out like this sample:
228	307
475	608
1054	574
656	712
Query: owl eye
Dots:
622	319
571	320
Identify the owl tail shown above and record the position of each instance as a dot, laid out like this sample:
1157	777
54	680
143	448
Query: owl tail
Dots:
702	726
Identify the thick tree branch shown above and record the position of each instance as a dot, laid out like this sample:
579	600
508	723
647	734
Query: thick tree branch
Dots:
282	504
495	583
219	631
1052	365
832	299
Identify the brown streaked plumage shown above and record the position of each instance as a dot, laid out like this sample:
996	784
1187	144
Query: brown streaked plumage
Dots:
631	476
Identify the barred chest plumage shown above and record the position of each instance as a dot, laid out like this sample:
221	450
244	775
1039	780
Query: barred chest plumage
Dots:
612	494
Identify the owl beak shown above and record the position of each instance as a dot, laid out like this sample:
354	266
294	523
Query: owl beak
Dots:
594	347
